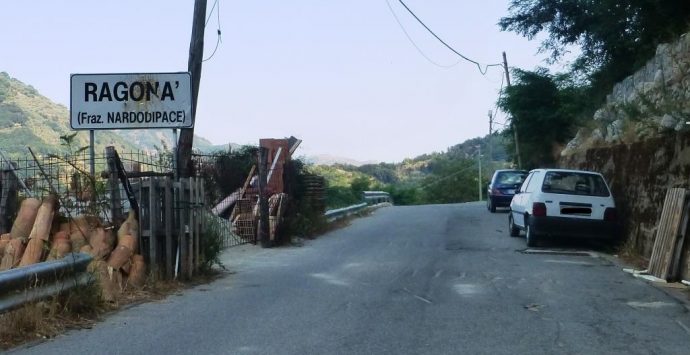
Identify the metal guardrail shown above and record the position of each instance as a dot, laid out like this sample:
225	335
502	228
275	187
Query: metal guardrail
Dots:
332	215
374	197
369	198
38	281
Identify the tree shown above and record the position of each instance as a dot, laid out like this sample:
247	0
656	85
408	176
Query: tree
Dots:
451	181
225	172
616	36
546	109
383	172
360	184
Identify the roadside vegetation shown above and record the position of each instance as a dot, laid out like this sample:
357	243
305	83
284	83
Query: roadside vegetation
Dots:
440	177
614	39
79	308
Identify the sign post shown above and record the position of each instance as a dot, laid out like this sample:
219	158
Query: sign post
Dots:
92	156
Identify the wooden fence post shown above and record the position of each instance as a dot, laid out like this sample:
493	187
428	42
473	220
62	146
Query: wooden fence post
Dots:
197	220
183	245
190	227
153	225
8	199
169	256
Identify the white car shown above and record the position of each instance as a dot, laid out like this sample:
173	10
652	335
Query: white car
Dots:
567	203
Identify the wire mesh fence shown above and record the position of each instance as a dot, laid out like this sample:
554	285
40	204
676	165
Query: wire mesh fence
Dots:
68	177
224	176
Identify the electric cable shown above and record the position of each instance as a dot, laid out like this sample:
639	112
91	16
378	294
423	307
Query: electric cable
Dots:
409	38
218	39
479	66
500	93
461	170
211	12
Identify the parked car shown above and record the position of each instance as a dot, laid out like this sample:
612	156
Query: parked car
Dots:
563	203
502	187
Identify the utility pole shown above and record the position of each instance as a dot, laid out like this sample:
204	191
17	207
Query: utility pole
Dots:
196	53
491	136
515	131
479	180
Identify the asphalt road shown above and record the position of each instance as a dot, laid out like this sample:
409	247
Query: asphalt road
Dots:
406	280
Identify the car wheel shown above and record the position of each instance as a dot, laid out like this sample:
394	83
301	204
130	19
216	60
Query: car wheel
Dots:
514	231
530	237
492	207
488	203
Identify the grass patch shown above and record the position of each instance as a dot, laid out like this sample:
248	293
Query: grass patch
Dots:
81	308
75	309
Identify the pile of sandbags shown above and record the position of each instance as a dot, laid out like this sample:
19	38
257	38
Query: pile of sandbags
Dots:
120	267
35	237
29	237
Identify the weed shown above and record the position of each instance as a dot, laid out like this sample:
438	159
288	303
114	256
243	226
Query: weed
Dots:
47	318
211	246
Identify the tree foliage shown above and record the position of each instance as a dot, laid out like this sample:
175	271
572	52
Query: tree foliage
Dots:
452	181
545	110
616	36
382	172
227	171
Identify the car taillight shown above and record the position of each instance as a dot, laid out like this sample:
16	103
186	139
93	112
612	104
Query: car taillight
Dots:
539	209
610	214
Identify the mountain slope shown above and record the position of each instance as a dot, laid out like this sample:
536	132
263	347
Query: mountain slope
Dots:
28	118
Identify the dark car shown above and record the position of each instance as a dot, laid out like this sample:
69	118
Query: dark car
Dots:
502	188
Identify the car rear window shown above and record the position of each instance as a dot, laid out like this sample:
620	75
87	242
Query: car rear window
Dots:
574	183
510	177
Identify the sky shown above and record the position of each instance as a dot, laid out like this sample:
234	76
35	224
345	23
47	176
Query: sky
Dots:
341	75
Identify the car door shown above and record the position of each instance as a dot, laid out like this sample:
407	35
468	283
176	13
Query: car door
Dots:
531	191
517	205
490	185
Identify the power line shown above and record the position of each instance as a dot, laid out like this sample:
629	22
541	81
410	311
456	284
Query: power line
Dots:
479	66
500	93
409	38
211	12
461	170
218	39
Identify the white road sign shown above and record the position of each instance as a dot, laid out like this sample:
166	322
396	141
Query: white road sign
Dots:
131	101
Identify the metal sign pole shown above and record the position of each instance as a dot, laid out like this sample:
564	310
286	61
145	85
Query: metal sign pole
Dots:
92	154
174	153
175	201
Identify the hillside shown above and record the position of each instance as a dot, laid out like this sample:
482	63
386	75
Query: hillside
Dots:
326	159
28	118
154	139
449	176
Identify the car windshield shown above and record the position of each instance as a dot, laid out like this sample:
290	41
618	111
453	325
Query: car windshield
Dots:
510	177
574	183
